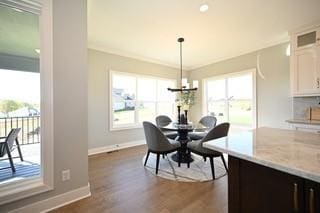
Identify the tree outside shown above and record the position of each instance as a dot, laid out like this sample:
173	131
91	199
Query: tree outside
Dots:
7	106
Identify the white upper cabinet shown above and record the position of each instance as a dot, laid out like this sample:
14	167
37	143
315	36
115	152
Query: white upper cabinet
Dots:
305	62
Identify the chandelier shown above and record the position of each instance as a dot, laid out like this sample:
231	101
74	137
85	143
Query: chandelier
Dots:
184	85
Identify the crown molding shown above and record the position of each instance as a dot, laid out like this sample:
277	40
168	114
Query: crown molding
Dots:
103	48
213	61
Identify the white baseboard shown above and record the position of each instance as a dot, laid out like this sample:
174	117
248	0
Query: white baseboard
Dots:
115	147
56	201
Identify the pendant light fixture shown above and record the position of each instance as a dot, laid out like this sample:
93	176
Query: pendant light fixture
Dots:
183	81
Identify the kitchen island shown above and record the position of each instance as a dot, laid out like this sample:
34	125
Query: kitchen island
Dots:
272	170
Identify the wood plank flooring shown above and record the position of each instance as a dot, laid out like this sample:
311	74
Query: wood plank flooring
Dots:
120	184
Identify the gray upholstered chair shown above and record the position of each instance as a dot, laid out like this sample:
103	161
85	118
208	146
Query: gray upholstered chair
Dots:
207	121
163	120
196	146
158	143
7	146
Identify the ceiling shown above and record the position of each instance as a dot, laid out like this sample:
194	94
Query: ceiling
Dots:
19	33
148	29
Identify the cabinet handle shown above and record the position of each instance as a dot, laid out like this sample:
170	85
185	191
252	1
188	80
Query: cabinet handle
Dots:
318	83
295	198
311	201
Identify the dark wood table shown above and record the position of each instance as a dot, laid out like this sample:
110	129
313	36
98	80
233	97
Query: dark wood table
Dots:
183	138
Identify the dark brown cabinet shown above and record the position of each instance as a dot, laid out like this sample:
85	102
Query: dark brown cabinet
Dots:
255	188
312	196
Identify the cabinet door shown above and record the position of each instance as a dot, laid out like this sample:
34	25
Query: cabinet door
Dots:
312	197
305	71
318	36
318	69
266	190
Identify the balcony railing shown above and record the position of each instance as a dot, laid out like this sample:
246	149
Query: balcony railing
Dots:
30	128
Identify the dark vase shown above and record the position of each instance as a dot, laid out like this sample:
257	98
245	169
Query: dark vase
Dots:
186	116
182	118
179	119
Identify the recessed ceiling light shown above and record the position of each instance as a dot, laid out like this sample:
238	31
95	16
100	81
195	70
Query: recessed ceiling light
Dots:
204	8
37	51
17	10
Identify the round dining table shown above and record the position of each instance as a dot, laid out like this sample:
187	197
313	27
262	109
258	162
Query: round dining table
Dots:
183	138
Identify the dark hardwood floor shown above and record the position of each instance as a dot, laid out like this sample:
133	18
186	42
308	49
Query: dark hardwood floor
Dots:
119	183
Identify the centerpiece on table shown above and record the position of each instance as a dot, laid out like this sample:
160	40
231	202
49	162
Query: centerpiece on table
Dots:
185	101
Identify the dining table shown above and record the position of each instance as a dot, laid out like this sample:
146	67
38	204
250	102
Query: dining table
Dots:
183	138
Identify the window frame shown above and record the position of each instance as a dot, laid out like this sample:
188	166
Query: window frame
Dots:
136	124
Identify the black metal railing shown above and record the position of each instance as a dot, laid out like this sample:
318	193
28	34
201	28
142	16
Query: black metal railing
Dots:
30	128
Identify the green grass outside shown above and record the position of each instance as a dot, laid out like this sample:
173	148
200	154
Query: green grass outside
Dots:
237	116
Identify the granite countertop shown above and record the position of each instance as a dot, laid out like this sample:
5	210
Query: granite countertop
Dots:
290	151
304	121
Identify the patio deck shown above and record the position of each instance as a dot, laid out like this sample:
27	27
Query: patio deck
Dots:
30	167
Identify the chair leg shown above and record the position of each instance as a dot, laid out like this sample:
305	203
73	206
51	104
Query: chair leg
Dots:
224	163
189	156
19	150
157	165
145	161
10	158
212	168
162	156
179	158
204	158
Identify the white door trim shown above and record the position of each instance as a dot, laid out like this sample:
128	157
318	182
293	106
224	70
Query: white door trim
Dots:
228	75
26	188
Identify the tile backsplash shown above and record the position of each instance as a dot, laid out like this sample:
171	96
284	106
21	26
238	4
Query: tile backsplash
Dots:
300	105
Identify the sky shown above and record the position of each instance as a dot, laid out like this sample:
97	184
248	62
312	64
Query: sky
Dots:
239	87
146	87
20	86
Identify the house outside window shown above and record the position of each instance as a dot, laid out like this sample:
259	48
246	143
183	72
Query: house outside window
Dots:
137	98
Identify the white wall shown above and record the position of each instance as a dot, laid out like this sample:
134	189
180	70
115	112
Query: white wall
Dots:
274	104
70	77
100	64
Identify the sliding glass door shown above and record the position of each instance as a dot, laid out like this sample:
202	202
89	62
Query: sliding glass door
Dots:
231	98
19	95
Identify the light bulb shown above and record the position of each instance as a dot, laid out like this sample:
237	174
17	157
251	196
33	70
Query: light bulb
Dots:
288	50
204	8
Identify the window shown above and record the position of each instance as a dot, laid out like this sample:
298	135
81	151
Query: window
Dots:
138	98
231	98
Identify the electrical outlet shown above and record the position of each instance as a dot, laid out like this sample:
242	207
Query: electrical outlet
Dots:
65	175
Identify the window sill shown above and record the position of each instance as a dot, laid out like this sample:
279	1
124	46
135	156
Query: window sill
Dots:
21	189
116	129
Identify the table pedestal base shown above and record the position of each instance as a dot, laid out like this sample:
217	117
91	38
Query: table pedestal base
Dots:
183	139
184	158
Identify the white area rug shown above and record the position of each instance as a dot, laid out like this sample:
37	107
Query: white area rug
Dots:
199	170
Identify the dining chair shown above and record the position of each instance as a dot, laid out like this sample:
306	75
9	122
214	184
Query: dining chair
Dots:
158	143
196	147
7	146
163	120
207	121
